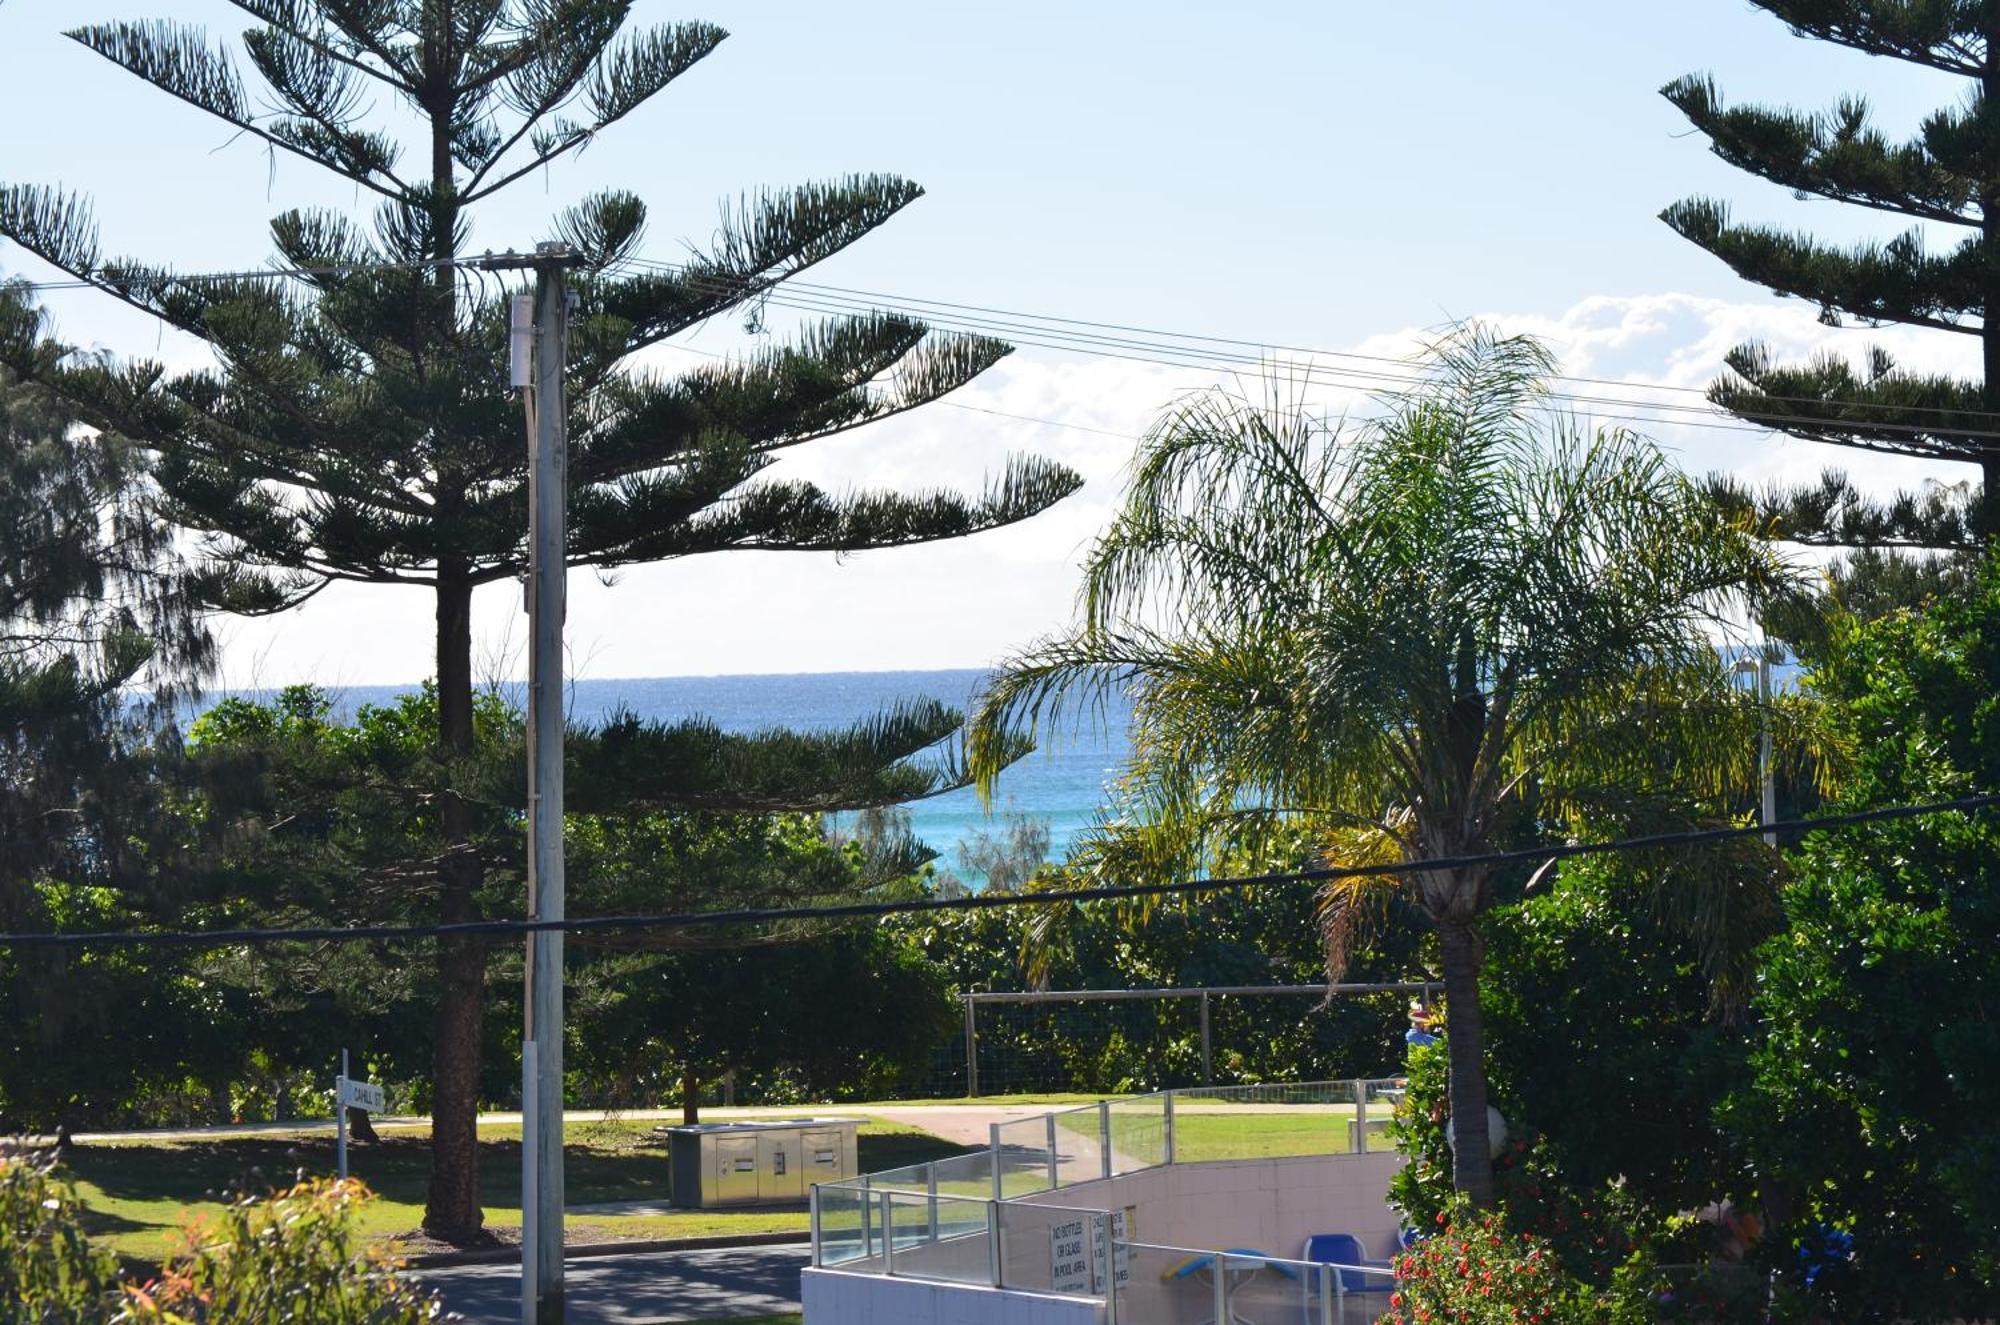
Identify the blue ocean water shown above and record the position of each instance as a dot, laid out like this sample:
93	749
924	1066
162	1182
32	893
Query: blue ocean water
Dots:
1060	785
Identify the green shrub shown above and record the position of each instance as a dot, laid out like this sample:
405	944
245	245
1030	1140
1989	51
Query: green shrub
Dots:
49	1271
1476	1271
291	1257
288	1257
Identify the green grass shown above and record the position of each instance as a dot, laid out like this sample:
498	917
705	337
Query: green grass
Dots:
1211	1136
137	1195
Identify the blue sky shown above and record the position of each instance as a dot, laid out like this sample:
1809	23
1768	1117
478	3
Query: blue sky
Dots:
1333	174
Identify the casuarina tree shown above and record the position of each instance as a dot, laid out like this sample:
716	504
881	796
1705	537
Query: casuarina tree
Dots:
356	424
94	599
1941	273
1399	638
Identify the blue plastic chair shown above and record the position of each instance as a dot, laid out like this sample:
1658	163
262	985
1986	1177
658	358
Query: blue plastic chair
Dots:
1342	1250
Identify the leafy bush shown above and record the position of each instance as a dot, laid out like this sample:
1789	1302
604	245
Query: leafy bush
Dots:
1476	1271
1592	1227
1872	1119
289	1257
49	1271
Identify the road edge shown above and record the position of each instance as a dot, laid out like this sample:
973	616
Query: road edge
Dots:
437	1260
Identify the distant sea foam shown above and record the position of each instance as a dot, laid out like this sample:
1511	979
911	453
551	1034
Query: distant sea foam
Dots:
1061	785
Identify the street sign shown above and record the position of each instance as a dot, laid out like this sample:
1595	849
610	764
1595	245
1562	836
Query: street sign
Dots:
361	1095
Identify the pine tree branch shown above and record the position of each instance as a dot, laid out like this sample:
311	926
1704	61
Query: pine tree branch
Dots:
285	16
629	766
1945	36
764	240
178	61
1880	408
1834	513
1897	282
323	98
616	80
824	384
799	517
1836	155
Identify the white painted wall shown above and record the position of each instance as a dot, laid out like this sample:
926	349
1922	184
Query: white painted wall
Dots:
835	1298
1273	1205
1269	1205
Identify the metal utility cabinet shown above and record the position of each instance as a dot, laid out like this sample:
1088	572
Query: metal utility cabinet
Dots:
759	1163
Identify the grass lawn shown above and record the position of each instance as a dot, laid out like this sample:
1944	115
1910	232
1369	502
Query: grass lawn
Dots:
1210	1136
138	1194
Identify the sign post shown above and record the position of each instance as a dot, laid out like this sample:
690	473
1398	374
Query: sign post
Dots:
350	1094
340	1117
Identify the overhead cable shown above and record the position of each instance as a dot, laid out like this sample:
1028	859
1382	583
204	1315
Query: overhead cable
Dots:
984	901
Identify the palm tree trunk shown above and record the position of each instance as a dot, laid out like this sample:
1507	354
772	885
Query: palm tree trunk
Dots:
1471	1165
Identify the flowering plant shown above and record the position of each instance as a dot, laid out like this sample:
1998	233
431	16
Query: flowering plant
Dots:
1476	1271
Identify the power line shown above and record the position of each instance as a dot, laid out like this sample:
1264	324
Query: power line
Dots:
1709	416
977	901
110	285
987	313
1045	331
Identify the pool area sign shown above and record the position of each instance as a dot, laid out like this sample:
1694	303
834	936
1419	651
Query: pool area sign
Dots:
1069	1258
1080	1249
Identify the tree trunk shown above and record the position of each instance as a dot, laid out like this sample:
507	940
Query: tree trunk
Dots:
452	1214
690	1095
359	1128
1471	1164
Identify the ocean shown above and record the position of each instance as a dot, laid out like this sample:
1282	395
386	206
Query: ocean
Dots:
1060	785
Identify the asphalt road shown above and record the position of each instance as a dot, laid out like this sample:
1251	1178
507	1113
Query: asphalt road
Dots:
645	1287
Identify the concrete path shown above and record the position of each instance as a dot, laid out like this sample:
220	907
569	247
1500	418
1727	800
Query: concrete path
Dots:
965	1124
644	1287
393	1122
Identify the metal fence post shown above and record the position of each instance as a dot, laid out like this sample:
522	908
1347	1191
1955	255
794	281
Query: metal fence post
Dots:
1104	1135
993	1261
1207	1055
1168	1158
993	1132
1110	1269
1360	1117
889	1233
1332	1298
971	1047
812	1199
867	1219
1222	1288
930	1177
1055	1173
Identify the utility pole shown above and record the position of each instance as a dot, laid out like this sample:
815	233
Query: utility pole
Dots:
538	357
1765	772
1767	777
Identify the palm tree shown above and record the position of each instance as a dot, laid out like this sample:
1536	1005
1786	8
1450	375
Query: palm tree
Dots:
1402	631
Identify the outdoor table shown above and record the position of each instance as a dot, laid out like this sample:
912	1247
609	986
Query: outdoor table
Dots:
1241	1265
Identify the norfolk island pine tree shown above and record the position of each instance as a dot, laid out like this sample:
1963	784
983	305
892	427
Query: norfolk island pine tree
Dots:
1947	176
358	424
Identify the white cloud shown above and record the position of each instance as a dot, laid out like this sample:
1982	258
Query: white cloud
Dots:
970	602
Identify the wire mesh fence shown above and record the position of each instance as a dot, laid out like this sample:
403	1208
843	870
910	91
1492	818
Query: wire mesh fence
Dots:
1117	1042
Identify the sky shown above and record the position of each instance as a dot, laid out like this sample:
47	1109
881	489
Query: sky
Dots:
1335	175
